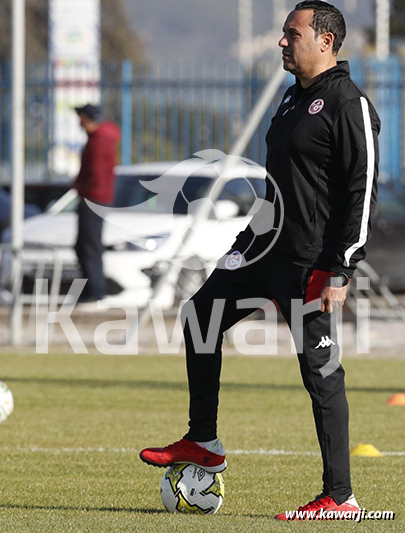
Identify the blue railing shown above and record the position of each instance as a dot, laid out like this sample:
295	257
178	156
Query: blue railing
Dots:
169	110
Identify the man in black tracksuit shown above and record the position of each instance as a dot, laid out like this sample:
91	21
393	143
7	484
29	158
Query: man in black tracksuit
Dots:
323	156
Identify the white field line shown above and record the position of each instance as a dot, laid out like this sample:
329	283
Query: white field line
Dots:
79	449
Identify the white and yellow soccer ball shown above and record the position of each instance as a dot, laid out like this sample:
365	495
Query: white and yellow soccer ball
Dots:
187	488
6	402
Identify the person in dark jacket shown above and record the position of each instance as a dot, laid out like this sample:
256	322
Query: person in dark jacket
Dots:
95	182
322	154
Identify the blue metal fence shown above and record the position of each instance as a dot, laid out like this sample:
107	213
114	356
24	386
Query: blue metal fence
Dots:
169	110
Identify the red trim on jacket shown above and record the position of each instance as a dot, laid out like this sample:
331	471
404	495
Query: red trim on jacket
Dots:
316	284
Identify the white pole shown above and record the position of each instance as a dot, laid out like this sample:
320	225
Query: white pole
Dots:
383	29
351	6
245	32
17	161
253	122
279	15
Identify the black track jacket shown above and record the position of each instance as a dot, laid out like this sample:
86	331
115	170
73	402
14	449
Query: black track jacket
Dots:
322	151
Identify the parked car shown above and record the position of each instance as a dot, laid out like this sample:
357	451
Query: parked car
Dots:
30	210
43	193
386	250
140	241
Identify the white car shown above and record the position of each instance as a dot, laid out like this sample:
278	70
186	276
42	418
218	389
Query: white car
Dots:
144	229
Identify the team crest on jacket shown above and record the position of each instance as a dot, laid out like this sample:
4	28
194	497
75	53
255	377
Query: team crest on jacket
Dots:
234	260
316	106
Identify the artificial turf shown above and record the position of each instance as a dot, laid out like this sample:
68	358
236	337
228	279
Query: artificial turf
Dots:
69	452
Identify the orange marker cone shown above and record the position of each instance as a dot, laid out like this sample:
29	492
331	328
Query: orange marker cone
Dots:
365	450
397	399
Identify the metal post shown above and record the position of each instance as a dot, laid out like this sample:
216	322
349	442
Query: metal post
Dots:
383	29
279	15
17	161
351	6
126	113
245	32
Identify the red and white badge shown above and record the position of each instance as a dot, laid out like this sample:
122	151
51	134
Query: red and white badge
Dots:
316	106
234	260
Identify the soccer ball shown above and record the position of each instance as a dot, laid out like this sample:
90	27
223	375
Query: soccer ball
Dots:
6	402
190	489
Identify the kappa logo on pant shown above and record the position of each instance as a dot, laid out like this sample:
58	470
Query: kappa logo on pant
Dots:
325	342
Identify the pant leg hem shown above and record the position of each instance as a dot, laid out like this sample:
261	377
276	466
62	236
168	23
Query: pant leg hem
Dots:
199	437
339	499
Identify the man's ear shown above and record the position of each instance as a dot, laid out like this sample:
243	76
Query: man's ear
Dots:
327	40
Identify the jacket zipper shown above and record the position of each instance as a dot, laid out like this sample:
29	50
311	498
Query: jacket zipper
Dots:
289	109
295	105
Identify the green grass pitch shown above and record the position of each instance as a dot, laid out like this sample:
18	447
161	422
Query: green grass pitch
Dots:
69	452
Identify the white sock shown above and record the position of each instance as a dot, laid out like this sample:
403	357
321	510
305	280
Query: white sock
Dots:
213	446
352	501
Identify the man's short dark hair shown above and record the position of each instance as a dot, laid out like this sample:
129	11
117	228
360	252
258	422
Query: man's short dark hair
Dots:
326	19
91	111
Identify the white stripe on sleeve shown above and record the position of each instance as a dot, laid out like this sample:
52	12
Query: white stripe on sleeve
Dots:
369	186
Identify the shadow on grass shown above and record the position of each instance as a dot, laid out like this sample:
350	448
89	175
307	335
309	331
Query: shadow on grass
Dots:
116	510
87	509
172	385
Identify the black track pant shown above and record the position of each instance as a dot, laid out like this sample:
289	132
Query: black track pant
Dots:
89	250
274	279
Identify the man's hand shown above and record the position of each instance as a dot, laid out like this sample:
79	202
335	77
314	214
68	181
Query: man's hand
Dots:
332	297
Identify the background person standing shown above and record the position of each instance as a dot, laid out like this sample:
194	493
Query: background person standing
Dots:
95	182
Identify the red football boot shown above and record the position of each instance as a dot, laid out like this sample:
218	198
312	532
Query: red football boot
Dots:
319	509
184	451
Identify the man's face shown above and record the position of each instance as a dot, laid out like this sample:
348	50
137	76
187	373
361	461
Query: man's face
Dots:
87	124
84	120
301	50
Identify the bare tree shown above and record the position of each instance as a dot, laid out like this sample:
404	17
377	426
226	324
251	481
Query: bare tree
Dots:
118	40
398	18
